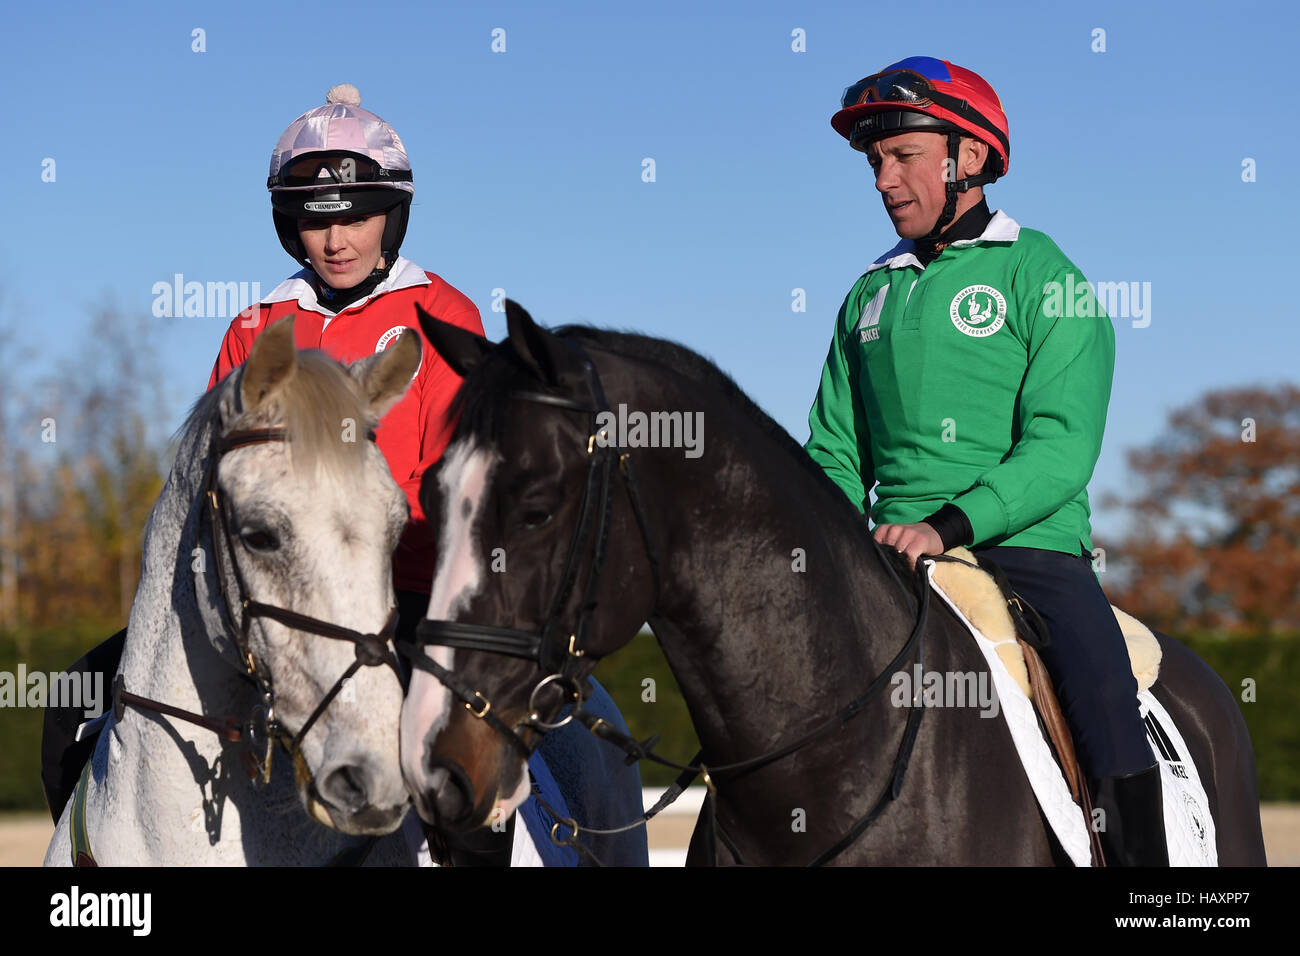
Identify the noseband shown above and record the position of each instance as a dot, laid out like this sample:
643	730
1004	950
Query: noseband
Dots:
262	729
559	651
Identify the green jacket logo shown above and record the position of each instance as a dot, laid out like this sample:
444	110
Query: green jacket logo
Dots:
978	310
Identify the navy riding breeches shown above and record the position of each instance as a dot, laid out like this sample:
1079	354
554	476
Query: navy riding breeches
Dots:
1087	657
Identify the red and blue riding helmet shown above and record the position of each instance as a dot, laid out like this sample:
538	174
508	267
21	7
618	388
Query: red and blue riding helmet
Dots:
923	93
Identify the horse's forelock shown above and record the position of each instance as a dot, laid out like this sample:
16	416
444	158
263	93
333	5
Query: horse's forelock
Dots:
325	415
321	408
483	397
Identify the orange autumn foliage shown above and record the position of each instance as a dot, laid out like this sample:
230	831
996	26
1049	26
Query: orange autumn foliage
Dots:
1214	537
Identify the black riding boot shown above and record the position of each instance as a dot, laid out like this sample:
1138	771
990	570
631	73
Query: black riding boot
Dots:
1133	829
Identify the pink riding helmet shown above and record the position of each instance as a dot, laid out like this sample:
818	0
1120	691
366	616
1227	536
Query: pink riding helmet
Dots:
337	161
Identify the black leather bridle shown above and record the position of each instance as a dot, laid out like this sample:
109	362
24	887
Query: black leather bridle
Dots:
262	730
559	651
564	662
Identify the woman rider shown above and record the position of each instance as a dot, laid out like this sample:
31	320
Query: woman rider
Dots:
341	189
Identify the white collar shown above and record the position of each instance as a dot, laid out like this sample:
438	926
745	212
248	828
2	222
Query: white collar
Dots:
1000	228
403	275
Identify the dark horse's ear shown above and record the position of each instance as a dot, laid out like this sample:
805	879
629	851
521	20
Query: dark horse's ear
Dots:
459	348
554	360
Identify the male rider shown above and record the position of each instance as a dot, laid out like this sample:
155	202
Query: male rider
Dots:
978	408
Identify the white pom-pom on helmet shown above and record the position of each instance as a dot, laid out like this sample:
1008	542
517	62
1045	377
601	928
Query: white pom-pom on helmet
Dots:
337	161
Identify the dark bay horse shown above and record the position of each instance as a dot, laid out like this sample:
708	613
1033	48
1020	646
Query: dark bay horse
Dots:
772	603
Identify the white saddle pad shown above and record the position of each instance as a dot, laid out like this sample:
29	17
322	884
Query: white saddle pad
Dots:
1189	828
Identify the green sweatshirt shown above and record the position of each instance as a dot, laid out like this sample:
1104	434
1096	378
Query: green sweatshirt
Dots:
980	380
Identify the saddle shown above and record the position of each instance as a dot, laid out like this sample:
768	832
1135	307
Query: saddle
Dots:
981	589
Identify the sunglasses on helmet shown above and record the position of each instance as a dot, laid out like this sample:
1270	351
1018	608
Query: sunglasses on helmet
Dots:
899	86
909	88
315	170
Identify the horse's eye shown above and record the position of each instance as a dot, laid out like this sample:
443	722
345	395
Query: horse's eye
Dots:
259	539
536	518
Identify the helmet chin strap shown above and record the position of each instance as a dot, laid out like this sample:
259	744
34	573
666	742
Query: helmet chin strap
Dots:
950	189
952	186
379	273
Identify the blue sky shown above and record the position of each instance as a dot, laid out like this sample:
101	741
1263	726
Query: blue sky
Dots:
528	169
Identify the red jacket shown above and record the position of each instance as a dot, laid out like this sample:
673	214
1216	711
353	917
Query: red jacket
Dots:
416	430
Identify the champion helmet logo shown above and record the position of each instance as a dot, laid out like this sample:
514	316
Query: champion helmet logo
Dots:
389	337
333	205
978	310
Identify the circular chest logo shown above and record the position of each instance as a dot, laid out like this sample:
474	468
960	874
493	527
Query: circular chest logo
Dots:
389	337
978	310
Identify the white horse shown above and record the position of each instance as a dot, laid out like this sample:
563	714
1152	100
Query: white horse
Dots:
278	502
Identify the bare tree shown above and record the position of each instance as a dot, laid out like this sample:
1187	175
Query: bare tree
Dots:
81	508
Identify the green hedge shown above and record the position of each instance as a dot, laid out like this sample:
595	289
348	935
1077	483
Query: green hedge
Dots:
1273	663
1273	718
20	728
624	674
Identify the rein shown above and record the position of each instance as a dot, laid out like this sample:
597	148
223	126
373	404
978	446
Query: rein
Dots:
894	786
562	665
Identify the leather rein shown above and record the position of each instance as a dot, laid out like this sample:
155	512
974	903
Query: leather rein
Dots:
562	661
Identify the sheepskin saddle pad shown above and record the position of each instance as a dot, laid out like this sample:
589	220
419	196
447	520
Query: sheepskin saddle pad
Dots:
977	596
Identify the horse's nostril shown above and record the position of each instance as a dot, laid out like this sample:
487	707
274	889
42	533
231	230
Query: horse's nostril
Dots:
437	778
450	793
347	787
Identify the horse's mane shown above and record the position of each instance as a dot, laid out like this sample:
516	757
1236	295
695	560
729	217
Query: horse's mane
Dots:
484	396
482	399
313	407
674	356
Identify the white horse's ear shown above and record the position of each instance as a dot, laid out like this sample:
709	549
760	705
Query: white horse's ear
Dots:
385	376
272	362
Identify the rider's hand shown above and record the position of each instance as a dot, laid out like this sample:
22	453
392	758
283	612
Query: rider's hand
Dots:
914	540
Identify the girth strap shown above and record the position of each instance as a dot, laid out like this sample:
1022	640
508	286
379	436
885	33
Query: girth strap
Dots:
81	855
